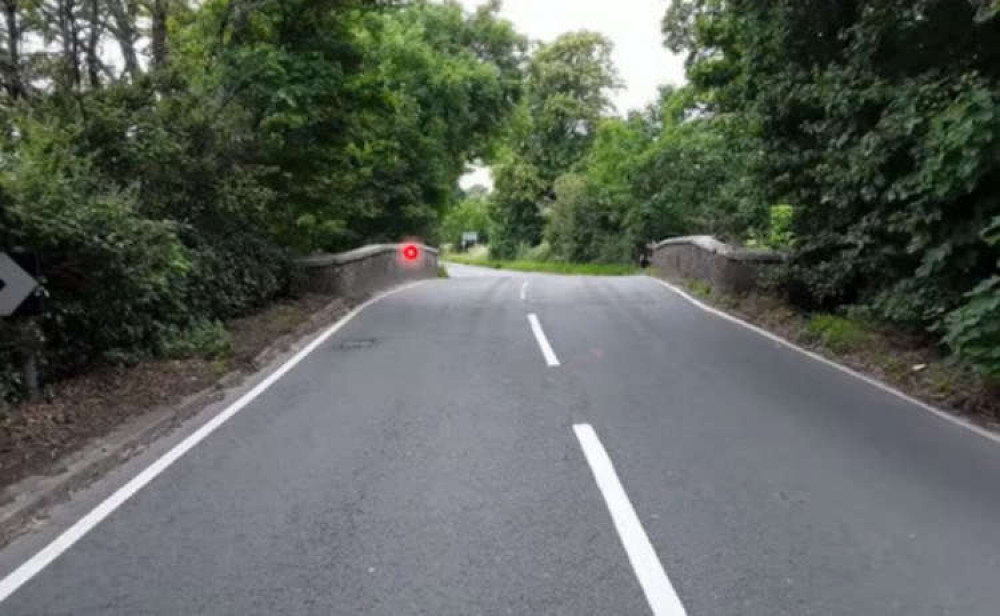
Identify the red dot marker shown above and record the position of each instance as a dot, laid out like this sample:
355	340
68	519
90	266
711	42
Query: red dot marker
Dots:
411	252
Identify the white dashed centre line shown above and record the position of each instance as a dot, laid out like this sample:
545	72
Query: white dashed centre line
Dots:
524	291
660	593
543	342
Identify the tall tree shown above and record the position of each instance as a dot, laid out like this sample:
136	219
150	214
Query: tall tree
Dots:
13	78
95	30
267	127
879	120
159	11
567	93
123	25
68	28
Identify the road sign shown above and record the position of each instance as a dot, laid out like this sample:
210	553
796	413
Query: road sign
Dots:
470	237
16	283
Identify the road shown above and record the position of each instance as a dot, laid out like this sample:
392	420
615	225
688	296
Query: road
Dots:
431	458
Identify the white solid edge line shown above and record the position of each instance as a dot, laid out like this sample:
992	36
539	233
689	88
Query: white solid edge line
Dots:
543	342
660	593
958	421
81	527
524	291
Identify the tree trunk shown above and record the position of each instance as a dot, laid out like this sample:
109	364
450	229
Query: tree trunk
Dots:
159	42
70	44
14	83
124	13
93	39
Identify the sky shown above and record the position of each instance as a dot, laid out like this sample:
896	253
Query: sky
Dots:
632	25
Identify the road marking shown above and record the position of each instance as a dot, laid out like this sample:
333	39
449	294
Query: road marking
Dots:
660	593
524	291
867	379
543	342
77	531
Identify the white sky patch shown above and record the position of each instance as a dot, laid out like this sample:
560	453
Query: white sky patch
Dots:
481	176
632	25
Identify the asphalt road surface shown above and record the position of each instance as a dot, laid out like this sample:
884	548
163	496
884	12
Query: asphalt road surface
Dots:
621	452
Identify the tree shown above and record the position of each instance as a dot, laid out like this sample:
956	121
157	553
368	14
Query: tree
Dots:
879	120
515	220
594	215
469	214
13	79
162	196
451	80
567	87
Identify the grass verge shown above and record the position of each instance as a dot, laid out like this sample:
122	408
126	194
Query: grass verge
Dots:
549	267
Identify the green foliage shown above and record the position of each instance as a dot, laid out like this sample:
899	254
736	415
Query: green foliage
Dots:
707	160
880	120
111	274
567	87
513	210
368	117
162	201
780	233
973	329
593	217
469	214
542	252
698	288
657	174
891	157
839	334
203	338
582	228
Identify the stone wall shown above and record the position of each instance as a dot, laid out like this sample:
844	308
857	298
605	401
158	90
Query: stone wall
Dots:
702	257
366	270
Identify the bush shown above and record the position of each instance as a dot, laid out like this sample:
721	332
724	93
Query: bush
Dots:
780	234
122	277
542	252
111	274
973	331
204	338
235	274
582	227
